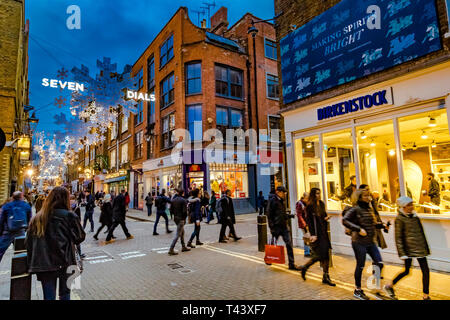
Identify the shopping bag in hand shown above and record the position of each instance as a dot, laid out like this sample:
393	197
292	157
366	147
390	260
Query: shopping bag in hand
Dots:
274	253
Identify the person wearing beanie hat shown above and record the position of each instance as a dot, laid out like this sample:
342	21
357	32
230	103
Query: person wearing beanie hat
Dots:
411	243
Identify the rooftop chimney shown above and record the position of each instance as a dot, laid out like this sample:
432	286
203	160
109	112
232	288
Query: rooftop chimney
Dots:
219	17
203	24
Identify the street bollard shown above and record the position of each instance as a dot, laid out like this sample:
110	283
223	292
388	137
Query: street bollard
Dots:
262	233
20	278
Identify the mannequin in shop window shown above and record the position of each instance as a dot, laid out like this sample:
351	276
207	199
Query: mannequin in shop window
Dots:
348	191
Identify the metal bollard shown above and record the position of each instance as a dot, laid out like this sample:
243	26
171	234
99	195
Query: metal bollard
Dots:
262	233
20	278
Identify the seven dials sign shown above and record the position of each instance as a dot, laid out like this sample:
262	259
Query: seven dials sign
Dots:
2	139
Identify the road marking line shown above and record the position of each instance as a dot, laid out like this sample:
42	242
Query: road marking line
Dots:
133	256
100	261
163	251
157	249
93	258
127	253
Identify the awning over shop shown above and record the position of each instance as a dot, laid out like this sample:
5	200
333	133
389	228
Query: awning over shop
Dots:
116	179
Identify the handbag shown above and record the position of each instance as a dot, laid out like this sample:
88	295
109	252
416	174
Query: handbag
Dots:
274	253
307	236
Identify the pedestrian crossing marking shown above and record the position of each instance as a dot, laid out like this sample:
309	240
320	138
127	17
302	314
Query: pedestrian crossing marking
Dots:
94	258
133	256
127	253
100	261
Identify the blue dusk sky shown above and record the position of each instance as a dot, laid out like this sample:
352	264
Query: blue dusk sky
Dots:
119	29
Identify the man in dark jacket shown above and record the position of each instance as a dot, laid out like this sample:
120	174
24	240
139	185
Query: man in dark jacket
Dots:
278	222
119	212
260	203
16	209
89	214
348	191
227	217
178	210
161	205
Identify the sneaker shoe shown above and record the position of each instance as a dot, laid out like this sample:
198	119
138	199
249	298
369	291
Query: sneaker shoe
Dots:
155	233
199	243
185	249
223	241
237	238
360	295
109	241
390	292
130	237
95	237
190	245
172	253
169	231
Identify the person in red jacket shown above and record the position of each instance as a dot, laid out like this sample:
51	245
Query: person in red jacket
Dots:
127	199
300	208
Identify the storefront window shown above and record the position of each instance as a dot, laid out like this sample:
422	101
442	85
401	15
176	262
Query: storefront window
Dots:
378	163
309	174
339	168
229	176
426	149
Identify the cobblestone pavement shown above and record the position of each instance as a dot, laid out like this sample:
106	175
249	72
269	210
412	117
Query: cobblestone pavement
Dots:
141	269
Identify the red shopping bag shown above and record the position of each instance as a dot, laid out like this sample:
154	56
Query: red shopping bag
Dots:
274	254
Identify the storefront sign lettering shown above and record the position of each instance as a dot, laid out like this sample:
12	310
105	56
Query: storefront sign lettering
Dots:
360	103
140	96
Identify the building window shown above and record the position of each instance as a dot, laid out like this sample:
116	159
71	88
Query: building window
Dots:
151	110
228	82
274	124
228	118
270	48
168	125
151	72
167	91
140	78
92	154
112	157
151	147
233	177
124	123
113	131
272	87
138	140
194	122
193	78
124	153
139	116
166	52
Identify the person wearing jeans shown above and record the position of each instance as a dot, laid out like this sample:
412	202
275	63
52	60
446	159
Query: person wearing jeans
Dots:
362	222
178	209
411	243
89	214
196	216
300	210
48	281
161	204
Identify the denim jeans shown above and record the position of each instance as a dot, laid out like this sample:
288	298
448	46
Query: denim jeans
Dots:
307	249
149	209
160	214
89	216
210	215
179	235
49	280
288	241
360	254
196	233
6	239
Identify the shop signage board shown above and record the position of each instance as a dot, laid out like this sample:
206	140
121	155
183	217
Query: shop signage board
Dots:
354	39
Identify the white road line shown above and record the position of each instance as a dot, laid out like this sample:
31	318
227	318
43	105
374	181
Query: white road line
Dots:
127	253
133	256
163	251
157	249
94	258
100	261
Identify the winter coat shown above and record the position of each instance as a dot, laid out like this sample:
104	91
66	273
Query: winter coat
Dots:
300	210
260	202
196	212
348	191
90	203
276	215
212	203
362	217
106	213
434	192
379	237
56	249
149	200
178	209
119	208
318	226
410	237
161	203
227	210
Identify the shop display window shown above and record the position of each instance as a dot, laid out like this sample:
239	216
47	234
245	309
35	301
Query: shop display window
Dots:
426	149
308	171
339	168
378	163
229	176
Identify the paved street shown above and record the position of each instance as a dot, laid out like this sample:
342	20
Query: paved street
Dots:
141	269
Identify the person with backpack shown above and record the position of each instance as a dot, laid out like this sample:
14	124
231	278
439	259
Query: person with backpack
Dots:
161	204
149	203
317	221
300	210
363	224
53	235
106	212
178	209
195	214
89	214
411	243
14	218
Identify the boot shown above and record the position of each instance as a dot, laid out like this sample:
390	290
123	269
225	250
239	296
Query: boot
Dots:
168	231
189	244
185	249
172	252
326	280
198	243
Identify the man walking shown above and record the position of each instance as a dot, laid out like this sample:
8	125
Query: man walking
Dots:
227	217
149	203
161	203
278	222
119	212
89	214
178	210
14	219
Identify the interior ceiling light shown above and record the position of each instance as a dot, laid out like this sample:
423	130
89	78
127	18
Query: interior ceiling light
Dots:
414	147
363	134
367	154
392	152
372	144
432	122
433	144
424	135
309	145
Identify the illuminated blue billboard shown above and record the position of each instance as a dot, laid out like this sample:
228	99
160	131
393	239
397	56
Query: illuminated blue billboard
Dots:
353	39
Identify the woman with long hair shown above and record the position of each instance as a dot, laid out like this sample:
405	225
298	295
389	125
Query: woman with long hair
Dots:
51	243
106	219
317	221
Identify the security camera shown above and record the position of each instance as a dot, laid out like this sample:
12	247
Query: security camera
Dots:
293	27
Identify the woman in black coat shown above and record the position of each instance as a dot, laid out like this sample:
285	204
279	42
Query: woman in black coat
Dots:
317	220
105	215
